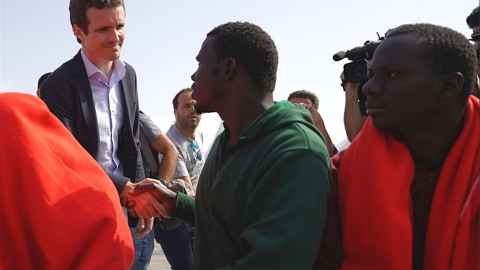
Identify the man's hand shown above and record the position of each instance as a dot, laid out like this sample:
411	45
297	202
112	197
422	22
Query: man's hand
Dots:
352	117
162	194
146	206
145	226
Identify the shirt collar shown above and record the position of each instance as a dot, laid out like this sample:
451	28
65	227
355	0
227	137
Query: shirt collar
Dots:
91	69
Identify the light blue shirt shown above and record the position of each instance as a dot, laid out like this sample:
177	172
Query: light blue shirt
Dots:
108	99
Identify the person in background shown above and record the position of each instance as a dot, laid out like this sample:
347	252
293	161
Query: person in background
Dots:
40	82
415	204
473	21
178	243
156	142
261	198
353	118
187	138
95	96
46	223
159	144
310	101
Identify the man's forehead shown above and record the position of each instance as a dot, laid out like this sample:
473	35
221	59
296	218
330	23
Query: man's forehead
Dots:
118	8
208	50
185	96
96	15
208	44
397	47
304	99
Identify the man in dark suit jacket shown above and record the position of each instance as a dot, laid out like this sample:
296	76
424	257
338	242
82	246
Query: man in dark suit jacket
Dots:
73	95
95	96
68	95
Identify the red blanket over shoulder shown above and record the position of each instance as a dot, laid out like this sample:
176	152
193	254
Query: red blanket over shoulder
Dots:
58	208
376	210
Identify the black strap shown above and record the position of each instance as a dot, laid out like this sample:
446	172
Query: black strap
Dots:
147	153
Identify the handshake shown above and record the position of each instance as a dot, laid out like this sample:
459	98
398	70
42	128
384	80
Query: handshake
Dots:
148	199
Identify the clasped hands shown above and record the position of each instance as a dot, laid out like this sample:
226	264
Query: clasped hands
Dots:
148	199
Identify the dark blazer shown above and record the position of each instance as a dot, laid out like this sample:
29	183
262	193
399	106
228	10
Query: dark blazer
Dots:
68	95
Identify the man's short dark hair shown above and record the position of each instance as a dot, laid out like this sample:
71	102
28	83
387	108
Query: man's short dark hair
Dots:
42	79
474	18
444	50
305	94
78	11
251	47
175	99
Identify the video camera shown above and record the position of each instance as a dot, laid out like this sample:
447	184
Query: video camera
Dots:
356	71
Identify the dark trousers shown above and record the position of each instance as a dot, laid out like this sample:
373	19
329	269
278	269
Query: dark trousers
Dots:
178	245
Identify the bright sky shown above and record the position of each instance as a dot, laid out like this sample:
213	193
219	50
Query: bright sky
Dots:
163	38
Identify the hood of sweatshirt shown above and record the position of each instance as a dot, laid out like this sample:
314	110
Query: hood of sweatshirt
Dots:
281	114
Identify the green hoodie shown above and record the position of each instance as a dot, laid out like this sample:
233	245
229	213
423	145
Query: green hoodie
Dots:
261	204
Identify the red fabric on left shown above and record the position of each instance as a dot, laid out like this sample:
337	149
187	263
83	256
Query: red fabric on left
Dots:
58	208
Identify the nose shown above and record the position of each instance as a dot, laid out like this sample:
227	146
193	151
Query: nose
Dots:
114	35
371	87
193	102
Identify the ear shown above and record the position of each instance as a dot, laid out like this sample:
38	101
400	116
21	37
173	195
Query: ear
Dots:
230	67
452	84
78	32
175	112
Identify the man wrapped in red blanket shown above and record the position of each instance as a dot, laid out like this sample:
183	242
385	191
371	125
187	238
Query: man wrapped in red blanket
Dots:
59	209
405	194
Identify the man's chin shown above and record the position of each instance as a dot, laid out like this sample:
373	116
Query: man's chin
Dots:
114	55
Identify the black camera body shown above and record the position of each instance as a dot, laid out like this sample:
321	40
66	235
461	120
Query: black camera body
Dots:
357	70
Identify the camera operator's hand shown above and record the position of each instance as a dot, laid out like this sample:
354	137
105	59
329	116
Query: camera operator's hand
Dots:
476	89
352	117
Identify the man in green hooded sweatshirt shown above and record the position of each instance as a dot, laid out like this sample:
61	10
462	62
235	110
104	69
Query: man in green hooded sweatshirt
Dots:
261	197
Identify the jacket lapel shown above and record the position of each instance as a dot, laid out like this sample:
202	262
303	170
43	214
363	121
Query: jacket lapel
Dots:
86	101
127	97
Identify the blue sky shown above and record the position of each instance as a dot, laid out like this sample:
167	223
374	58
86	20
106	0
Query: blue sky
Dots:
163	38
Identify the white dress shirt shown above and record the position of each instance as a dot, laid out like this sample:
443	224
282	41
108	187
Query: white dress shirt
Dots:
108	99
